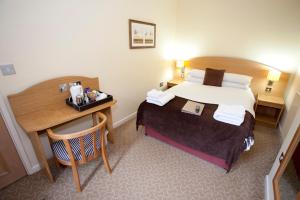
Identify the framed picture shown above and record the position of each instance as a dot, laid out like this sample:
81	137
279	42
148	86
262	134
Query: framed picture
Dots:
141	34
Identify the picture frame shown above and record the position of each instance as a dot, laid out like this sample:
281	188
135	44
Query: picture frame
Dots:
141	34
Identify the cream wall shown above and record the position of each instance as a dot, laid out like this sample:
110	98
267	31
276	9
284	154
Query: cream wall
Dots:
292	104
294	88
265	31
46	39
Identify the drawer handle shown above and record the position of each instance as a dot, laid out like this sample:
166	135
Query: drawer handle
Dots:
281	157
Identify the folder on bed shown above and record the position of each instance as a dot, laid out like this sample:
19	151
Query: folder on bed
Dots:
192	107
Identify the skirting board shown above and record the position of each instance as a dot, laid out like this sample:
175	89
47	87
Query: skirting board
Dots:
124	120
268	189
35	169
116	124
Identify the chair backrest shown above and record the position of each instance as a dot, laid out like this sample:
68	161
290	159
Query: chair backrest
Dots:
99	127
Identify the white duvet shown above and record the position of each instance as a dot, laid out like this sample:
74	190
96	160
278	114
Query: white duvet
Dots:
215	95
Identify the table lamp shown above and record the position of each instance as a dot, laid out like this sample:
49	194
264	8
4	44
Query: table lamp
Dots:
180	64
273	75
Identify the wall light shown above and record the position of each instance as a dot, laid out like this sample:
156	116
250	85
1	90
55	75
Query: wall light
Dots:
180	65
273	75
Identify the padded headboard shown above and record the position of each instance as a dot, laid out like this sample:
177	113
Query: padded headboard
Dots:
257	70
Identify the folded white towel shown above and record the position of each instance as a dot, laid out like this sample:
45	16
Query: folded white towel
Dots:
235	110
155	93
231	114
234	121
162	100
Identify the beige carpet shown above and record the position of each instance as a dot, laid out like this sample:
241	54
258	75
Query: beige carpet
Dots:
145	168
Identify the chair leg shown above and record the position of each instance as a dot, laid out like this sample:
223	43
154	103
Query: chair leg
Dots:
76	178
57	164
103	152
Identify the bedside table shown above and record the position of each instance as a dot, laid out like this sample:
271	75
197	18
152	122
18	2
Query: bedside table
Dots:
268	109
174	82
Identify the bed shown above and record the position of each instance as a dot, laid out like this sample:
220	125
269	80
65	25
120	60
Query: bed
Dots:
203	136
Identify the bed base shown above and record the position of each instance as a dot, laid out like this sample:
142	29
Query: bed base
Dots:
212	159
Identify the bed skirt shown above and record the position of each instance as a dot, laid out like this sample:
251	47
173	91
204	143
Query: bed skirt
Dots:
217	161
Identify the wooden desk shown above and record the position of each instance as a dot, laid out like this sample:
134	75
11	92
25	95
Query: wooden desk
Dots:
43	106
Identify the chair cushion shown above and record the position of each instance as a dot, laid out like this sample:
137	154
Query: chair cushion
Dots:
60	151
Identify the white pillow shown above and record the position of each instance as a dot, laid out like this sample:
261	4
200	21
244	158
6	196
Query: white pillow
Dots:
197	73
237	78
235	85
228	77
194	80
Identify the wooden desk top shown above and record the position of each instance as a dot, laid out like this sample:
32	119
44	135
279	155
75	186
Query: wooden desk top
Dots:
55	115
270	99
43	106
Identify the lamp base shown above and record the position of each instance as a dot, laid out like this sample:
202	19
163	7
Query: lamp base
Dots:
270	83
182	72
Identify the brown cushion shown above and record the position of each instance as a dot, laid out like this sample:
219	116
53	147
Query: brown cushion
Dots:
213	77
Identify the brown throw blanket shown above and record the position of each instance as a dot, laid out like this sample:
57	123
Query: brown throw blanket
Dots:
202	133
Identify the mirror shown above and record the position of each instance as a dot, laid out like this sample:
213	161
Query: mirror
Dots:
286	180
289	183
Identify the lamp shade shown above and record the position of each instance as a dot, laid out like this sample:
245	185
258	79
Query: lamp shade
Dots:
274	75
186	63
180	63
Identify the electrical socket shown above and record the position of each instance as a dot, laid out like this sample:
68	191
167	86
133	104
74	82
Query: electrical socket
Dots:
7	69
63	87
161	84
268	89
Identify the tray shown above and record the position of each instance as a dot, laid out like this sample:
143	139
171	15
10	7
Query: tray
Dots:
89	105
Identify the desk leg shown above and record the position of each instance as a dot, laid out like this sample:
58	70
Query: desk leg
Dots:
109	124
40	153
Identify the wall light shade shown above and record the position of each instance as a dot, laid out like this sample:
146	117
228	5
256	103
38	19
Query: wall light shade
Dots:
179	63
274	75
186	63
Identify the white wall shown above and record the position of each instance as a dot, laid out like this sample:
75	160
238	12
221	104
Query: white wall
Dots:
46	39
294	87
291	104
265	31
